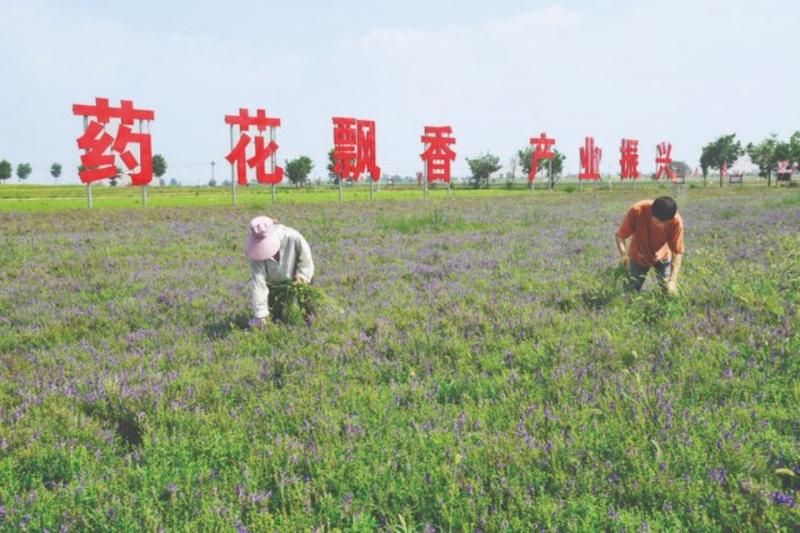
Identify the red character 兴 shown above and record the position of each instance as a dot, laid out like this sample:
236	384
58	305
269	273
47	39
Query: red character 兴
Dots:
354	148
629	159
437	154
542	150
664	161
590	160
263	151
96	163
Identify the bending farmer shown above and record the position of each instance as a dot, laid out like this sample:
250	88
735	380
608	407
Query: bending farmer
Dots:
279	256
656	232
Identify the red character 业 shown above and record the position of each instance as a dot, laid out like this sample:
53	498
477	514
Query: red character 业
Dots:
590	160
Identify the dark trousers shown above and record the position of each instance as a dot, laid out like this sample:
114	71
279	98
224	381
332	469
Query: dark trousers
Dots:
638	273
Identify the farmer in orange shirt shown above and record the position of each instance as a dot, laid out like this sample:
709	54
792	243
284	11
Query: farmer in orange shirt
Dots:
657	241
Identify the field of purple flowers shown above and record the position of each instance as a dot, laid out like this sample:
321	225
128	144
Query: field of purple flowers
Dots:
479	370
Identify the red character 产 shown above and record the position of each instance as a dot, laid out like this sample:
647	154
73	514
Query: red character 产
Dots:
542	150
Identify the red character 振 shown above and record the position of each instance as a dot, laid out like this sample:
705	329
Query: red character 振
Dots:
96	162
438	155
629	159
258	161
542	149
354	148
590	160
664	161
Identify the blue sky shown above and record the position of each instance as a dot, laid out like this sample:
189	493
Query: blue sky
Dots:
682	71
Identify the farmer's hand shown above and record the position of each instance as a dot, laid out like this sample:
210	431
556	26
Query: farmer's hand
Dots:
624	261
672	288
299	278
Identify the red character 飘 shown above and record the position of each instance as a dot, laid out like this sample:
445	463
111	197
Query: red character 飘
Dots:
262	149
97	163
438	155
542	149
354	148
590	160
664	161
629	159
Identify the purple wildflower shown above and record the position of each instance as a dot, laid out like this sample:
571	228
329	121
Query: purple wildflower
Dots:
720	475
781	498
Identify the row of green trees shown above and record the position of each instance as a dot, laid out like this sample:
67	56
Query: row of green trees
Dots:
726	149
766	155
24	170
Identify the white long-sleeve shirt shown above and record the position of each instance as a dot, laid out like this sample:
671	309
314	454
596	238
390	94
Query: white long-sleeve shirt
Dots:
294	259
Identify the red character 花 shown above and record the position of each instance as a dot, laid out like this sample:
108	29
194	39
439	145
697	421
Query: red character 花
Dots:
263	151
438	154
354	148
664	161
97	163
542	150
629	159
590	160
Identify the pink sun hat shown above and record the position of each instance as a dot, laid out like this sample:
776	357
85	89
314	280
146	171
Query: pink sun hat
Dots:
262	240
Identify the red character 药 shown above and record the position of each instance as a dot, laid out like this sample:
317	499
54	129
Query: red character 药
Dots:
263	151
97	163
629	159
590	160
438	154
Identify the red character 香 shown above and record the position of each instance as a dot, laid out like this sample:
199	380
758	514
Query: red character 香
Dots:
438	155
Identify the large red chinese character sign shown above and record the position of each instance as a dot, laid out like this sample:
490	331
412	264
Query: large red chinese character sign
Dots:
98	160
354	148
590	160
664	161
438	155
629	159
261	150
542	149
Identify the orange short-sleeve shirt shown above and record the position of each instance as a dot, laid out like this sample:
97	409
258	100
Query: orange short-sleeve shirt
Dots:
650	242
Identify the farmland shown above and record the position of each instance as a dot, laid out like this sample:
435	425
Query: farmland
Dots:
477	368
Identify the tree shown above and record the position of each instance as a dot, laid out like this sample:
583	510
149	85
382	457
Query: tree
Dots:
482	167
159	167
726	149
23	171
55	171
765	156
5	170
212	182
556	163
116	176
681	169
297	170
